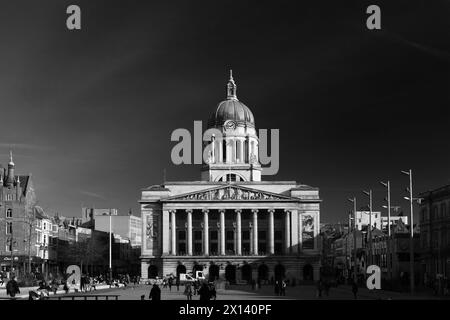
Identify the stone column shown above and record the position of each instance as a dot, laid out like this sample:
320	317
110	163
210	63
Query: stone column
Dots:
287	232
165	232
205	232
222	232
271	232
220	151
238	232
213	148
255	231
242	151
189	231
294	232
174	232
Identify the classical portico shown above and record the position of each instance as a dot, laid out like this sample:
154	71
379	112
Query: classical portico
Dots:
231	225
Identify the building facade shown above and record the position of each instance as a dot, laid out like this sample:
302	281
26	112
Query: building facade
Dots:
17	234
434	219
231	225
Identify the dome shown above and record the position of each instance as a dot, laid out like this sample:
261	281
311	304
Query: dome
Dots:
231	109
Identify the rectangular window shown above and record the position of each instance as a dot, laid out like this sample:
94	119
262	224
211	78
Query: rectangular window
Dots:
181	235
9	228
262	235
9	213
38	237
182	248
230	235
198	235
8	248
213	235
245	235
278	235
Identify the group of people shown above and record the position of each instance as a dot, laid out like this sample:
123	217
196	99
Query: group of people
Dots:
280	287
206	291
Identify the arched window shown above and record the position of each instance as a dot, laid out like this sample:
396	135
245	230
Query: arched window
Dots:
231	177
224	150
238	150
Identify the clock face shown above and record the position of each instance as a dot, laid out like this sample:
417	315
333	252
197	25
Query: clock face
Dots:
229	125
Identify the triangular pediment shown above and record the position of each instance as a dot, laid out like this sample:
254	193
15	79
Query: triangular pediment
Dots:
230	193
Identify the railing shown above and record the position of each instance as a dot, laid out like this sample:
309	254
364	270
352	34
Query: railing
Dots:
85	297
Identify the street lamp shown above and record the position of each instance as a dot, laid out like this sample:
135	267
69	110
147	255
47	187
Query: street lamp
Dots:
354	237
411	237
369	193
388	251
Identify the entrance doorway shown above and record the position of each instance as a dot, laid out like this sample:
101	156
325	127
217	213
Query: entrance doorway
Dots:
308	273
152	272
279	272
246	272
213	272
230	273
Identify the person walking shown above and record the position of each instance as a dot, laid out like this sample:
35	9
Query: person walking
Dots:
204	292
355	289
277	289
283	288
178	284
170	283
212	291
155	293
188	291
319	289
12	288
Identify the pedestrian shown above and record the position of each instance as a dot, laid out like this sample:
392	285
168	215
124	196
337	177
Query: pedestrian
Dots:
188	291
327	288
170	283
204	292
178	284
276	287
319	289
155	293
355	289
283	288
12	288
212	291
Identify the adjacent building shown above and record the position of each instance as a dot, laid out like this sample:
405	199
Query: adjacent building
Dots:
434	219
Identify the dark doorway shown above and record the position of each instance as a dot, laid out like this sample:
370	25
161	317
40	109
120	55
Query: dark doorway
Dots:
263	272
180	269
152	272
213	272
279	272
230	273
308	274
246	272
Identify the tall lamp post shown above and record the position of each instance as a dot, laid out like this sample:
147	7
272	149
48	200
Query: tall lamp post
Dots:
354	238
369	193
411	236
388	251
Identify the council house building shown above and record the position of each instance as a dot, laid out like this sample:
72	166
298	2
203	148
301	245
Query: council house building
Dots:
231	224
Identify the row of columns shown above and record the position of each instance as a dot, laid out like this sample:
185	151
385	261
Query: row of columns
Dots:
238	225
245	146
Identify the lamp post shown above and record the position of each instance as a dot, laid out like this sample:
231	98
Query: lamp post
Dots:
354	238
411	236
110	249
388	251
369	193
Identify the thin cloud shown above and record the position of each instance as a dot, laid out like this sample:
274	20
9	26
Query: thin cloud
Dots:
92	194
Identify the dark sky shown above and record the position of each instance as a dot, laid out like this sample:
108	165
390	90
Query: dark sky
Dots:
90	113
